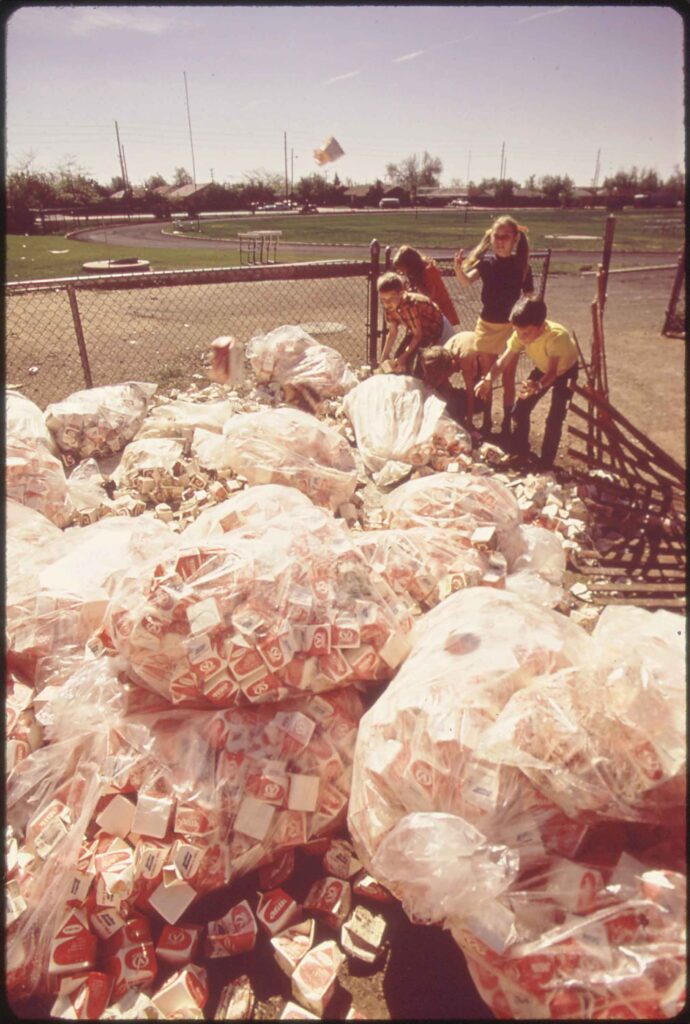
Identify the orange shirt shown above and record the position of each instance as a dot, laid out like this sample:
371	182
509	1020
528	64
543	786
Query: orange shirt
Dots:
432	285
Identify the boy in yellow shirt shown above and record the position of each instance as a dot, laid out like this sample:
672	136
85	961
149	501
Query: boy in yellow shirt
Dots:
554	353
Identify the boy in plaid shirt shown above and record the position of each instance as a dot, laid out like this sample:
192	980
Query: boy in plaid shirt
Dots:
423	321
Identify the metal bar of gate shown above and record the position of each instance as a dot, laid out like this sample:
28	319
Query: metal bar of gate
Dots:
78	330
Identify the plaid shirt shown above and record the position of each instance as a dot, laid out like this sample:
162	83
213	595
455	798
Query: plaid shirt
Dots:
416	310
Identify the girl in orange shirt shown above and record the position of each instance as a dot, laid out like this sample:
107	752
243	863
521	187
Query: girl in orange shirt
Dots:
424	276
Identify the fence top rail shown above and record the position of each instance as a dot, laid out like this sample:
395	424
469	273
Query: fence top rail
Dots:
220	275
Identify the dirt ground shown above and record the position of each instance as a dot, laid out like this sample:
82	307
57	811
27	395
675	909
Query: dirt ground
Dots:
422	975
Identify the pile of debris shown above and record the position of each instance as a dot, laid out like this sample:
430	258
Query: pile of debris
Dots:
208	589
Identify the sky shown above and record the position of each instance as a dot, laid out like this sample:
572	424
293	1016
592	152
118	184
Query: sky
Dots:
561	87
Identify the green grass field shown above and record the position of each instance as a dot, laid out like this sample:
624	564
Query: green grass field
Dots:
636	230
49	256
35	257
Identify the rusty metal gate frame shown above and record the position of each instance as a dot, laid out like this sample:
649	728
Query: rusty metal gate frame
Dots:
639	490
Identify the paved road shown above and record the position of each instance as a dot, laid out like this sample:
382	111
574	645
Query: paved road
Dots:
151	236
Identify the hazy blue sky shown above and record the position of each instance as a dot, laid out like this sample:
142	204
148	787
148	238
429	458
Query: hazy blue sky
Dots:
555	83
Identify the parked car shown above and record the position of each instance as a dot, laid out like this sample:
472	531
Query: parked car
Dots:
458	202
389	203
308	208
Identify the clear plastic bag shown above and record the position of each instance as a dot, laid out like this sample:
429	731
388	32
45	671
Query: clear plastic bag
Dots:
509	718
148	456
36	478
418	745
56	603
86	485
204	796
397	421
424	563
180	418
588	941
288	355
287	446
538	550
609	739
99	421
460	501
25	420
251	507
257	614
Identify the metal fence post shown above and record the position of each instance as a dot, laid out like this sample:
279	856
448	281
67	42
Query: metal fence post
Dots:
83	354
675	292
374	252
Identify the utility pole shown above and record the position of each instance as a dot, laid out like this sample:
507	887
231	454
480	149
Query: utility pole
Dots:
120	157
595	180
292	171
189	122
469	161
285	151
124	162
503	149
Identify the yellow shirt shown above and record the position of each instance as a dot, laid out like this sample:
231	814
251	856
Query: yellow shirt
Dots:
553	342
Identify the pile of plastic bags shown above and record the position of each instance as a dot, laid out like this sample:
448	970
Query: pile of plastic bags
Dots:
186	699
522	784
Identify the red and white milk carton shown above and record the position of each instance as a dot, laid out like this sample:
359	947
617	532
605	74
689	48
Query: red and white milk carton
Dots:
314	978
294	943
329	899
83	996
74	946
276	910
187	989
233	933
574	886
178	944
340	860
131	966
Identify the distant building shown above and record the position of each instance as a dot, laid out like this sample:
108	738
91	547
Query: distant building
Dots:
361	195
133	193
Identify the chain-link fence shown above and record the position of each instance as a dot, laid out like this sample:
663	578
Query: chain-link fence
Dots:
64	335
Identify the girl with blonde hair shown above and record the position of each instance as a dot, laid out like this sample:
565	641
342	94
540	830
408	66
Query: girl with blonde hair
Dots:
501	262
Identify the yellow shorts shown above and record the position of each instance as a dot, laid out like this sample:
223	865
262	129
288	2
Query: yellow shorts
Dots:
491	338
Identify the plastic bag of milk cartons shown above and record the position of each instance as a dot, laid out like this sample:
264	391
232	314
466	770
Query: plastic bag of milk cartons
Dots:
398	421
288	446
288	355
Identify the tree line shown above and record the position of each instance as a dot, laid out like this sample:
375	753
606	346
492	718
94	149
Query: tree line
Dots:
70	186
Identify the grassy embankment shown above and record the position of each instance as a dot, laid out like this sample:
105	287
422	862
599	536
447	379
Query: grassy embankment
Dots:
37	257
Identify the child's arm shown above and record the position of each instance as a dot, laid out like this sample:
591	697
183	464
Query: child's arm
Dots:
463	278
390	341
506	359
533	387
414	337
